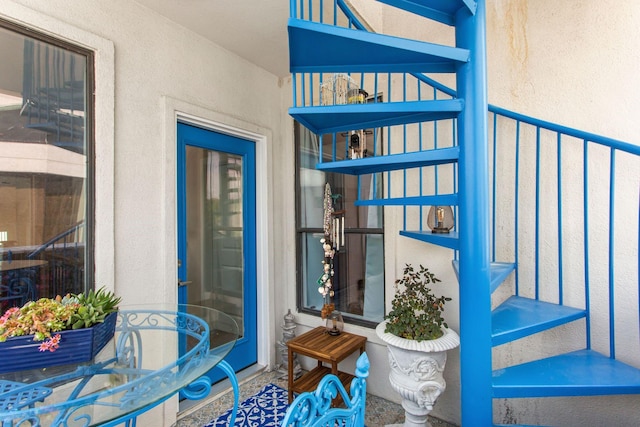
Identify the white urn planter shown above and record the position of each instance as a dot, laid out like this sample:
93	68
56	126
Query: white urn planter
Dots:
416	371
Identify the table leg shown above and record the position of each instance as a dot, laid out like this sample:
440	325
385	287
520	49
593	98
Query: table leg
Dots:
236	390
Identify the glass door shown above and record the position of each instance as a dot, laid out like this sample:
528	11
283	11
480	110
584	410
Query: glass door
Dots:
216	234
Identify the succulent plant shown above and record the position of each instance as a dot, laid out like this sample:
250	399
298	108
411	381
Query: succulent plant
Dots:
46	316
38	318
92	308
416	313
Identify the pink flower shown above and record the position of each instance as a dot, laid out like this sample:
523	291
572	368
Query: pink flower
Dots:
8	314
51	344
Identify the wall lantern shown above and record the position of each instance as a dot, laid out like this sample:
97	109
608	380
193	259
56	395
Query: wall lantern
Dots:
440	219
335	324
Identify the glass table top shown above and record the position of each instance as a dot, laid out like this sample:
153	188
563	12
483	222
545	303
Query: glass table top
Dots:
156	351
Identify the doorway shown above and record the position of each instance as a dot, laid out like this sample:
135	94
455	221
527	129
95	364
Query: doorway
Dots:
217	233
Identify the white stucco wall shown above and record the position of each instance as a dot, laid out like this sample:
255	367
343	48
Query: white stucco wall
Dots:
149	70
575	63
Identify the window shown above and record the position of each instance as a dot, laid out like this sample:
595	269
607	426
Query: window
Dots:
359	265
46	167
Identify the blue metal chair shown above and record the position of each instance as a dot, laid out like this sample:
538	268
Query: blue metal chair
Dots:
313	409
16	396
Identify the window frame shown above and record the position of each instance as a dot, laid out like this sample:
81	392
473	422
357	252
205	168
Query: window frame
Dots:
89	134
301	231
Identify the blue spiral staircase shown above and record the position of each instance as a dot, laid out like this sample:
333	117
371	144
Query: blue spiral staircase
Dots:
341	44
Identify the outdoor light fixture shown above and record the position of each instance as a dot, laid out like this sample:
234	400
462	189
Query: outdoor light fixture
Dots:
440	219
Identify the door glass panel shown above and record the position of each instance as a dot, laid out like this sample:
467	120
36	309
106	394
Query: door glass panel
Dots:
215	234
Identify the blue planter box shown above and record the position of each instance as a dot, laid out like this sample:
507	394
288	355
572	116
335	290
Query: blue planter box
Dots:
78	345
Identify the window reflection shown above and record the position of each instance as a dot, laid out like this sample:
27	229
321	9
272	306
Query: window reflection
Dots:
45	185
359	265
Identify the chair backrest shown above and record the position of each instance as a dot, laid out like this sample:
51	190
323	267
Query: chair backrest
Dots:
313	409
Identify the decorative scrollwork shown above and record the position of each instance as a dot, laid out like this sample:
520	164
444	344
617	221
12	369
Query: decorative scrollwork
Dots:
198	389
131	385
314	409
421	368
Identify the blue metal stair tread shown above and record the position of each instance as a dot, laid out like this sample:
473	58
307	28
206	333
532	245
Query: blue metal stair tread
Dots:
445	240
443	11
499	272
579	373
316	47
519	317
432	200
340	118
391	162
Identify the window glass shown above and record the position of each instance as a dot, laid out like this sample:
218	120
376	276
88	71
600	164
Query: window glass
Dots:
45	168
358	265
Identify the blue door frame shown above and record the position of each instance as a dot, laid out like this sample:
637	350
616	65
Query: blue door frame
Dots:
245	351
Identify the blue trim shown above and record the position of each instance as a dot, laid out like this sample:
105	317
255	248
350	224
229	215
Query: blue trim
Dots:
245	351
181	205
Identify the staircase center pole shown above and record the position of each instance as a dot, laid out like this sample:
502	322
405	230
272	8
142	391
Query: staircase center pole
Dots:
475	275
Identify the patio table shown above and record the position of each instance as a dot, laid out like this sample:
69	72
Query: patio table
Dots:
156	352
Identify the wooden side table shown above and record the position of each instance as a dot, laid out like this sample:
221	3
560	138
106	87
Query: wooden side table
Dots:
325	348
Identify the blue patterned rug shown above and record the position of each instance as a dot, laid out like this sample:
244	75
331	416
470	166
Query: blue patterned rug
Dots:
267	408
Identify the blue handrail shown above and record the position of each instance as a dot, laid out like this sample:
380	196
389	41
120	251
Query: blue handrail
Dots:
73	229
607	196
553	127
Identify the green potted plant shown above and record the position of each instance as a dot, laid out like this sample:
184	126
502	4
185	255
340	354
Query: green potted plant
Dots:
75	327
416	312
417	338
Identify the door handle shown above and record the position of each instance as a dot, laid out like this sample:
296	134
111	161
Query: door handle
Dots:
185	283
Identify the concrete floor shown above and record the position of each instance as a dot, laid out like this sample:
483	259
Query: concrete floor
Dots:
379	412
